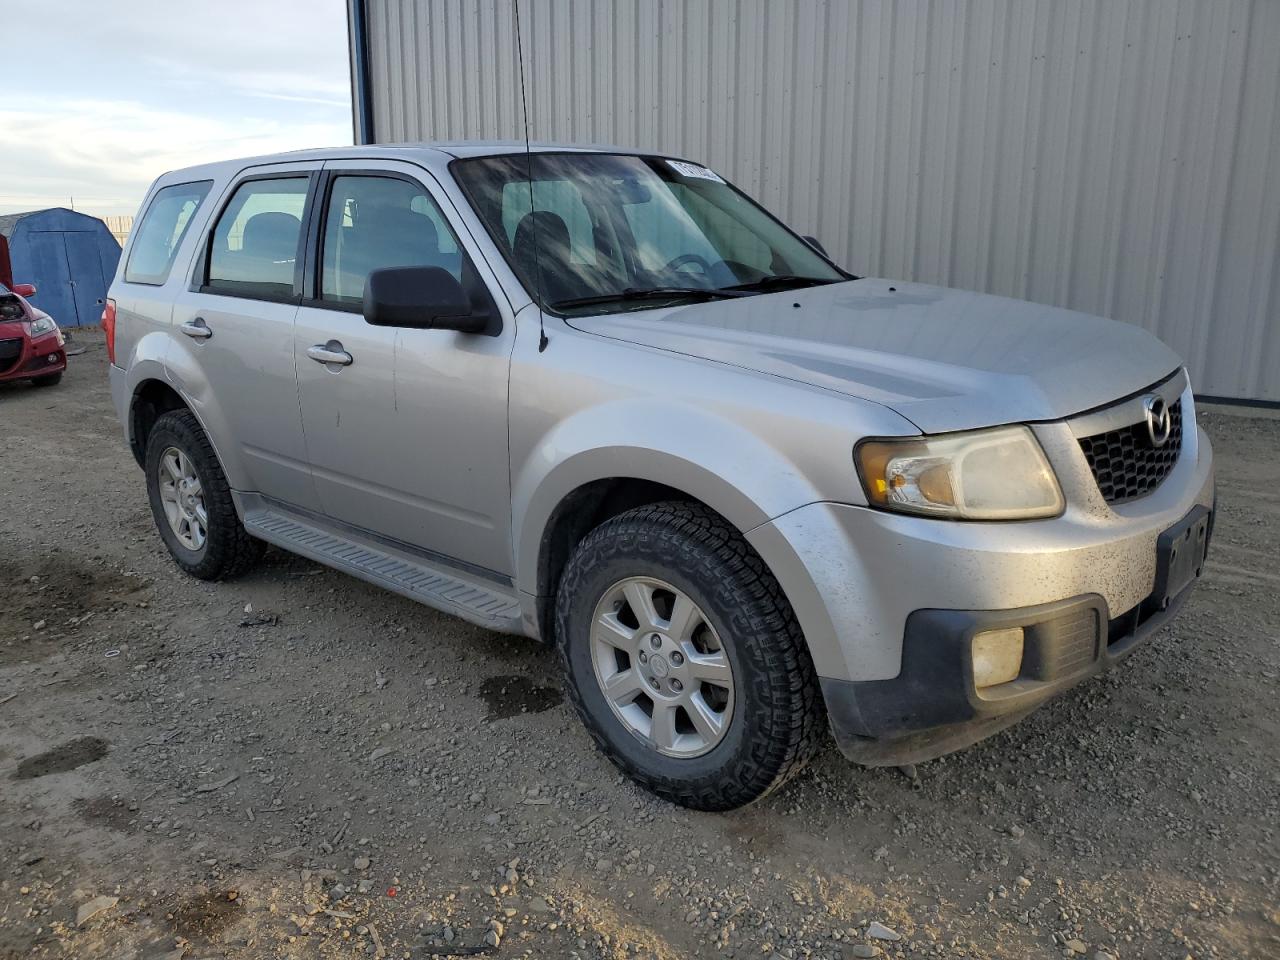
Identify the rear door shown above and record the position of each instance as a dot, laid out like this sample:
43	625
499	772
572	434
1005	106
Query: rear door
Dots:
408	438
235	325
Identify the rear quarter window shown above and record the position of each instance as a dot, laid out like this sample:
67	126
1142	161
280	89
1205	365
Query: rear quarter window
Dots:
161	232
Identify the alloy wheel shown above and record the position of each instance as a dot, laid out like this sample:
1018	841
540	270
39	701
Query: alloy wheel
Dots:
182	496
661	667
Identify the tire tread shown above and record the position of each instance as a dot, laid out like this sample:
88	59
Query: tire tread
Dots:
798	733
229	549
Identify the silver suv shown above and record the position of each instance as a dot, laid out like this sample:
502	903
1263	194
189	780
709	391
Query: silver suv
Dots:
602	398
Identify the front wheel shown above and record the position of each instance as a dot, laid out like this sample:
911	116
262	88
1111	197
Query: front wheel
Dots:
50	381
684	658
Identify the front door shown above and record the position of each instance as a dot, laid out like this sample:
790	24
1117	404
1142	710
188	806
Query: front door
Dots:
237	331
407	433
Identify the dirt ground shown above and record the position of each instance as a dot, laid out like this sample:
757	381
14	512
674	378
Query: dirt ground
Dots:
296	764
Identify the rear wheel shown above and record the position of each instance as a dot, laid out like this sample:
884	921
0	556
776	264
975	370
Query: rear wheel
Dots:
48	381
684	659
191	501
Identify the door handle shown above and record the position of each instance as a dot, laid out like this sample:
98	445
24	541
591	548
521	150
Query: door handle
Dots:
197	329
330	352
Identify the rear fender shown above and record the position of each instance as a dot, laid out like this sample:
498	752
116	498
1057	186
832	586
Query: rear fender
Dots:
184	374
145	362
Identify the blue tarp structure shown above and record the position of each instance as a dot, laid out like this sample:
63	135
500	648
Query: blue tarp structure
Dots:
69	256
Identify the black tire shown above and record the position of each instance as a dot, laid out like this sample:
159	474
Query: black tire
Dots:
49	381
778	722
228	549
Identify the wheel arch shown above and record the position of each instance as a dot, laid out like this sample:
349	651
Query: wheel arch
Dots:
586	490
590	487
579	512
151	399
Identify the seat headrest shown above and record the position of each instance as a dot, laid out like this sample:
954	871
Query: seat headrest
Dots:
387	221
272	235
545	230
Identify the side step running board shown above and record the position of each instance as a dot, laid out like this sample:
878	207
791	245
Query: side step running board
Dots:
444	589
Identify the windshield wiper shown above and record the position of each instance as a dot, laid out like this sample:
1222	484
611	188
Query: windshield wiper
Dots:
780	281
649	293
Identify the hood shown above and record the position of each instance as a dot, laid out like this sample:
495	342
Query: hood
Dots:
944	359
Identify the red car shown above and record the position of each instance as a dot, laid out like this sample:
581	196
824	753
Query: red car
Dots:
31	345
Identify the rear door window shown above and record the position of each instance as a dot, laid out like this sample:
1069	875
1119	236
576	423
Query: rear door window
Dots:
254	248
158	236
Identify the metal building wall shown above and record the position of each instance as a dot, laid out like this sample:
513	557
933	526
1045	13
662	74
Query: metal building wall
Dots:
1120	157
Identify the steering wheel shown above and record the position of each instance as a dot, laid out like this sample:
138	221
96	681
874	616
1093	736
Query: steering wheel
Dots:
684	260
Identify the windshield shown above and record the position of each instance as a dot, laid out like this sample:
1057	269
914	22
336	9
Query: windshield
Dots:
591	232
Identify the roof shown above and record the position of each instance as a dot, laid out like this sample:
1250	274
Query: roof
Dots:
429	154
9	221
489	148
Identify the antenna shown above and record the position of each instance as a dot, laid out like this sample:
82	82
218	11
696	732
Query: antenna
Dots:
528	160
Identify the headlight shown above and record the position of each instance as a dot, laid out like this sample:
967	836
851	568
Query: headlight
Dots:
42	325
998	474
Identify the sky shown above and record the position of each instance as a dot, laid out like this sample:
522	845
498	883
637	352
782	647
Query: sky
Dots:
99	97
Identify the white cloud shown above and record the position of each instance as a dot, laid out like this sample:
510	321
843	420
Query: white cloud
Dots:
148	86
106	153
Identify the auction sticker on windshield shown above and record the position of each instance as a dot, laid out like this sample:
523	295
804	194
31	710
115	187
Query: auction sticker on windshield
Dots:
694	170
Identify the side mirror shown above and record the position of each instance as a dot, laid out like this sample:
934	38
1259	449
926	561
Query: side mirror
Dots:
24	289
424	298
817	245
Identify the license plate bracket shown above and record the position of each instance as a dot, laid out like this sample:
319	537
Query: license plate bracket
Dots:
1180	554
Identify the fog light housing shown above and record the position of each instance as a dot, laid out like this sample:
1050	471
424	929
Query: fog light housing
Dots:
997	656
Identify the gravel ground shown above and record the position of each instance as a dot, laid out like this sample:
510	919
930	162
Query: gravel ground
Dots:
296	764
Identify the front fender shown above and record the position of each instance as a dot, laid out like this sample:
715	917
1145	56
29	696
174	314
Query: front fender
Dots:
747	477
707	457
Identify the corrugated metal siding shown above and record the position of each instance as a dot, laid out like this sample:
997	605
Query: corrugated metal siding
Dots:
1121	158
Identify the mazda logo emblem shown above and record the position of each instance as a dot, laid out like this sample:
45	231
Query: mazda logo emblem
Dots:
1159	421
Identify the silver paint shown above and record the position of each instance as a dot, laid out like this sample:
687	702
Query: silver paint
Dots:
465	446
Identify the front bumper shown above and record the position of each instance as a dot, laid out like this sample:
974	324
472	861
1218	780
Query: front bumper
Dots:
933	706
41	357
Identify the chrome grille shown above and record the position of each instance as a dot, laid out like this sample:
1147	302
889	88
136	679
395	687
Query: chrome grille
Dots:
1126	464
